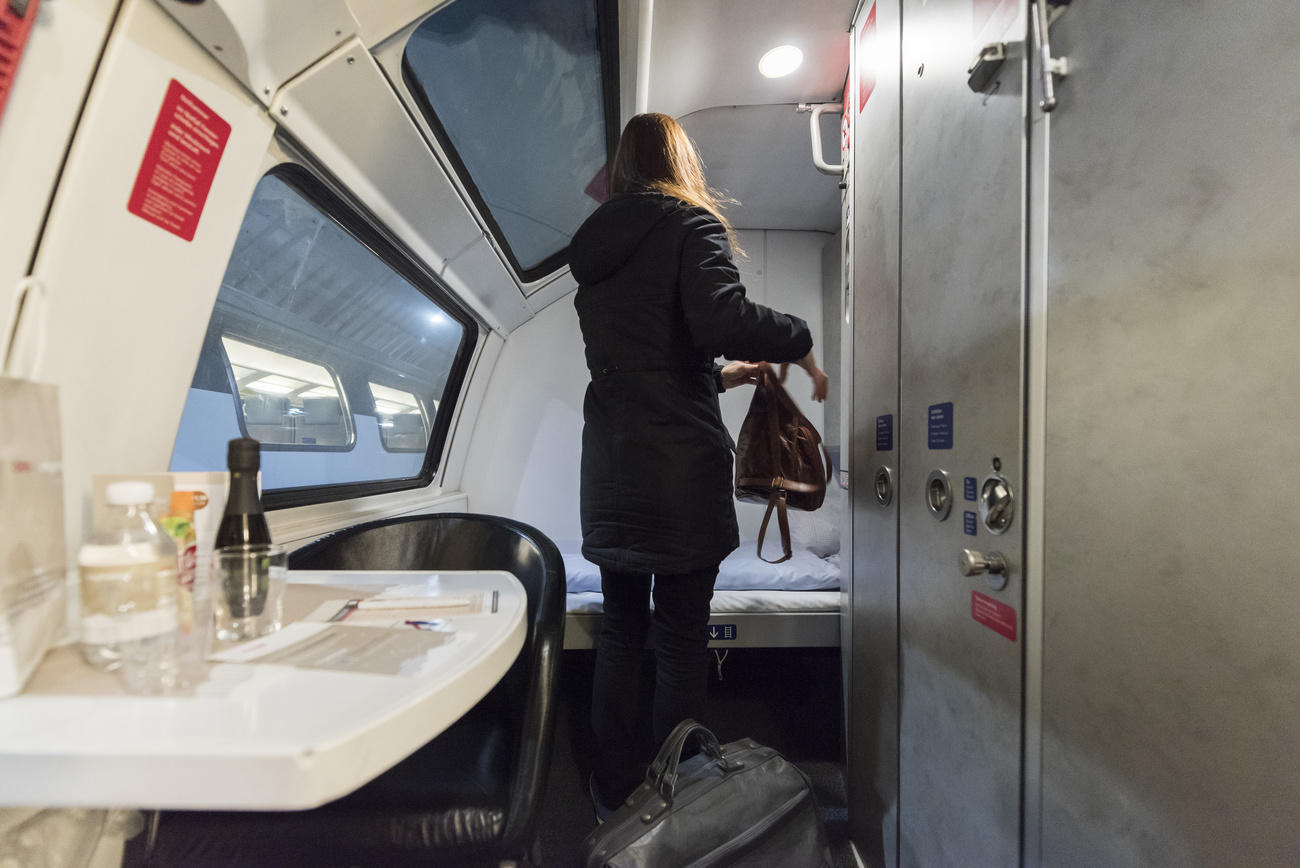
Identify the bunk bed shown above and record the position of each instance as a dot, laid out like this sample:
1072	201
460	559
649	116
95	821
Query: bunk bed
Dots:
755	604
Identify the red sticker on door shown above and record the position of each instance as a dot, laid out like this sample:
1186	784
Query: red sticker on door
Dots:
179	163
998	617
867	59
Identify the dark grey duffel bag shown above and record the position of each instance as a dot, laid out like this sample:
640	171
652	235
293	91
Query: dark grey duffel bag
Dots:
736	804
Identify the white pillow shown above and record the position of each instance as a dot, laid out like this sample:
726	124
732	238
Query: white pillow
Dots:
580	574
819	531
744	570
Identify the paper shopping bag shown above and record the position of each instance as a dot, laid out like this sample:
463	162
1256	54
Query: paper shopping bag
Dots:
32	554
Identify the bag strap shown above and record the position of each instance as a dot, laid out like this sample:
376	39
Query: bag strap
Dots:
662	773
776	499
24	352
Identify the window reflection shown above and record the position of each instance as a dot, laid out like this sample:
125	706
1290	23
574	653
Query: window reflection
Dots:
316	306
403	426
485	69
287	400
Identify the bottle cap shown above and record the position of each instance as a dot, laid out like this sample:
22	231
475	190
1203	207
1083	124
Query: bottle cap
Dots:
244	454
128	493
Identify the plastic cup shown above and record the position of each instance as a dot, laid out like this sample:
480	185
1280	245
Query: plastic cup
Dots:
247	591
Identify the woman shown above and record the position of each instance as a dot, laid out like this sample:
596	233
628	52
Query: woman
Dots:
659	299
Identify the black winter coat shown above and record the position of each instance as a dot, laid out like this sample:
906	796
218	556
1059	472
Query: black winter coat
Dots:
658	299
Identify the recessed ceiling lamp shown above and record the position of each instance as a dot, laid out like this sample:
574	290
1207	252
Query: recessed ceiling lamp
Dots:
782	60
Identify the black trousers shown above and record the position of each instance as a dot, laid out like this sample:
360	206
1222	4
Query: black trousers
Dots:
680	642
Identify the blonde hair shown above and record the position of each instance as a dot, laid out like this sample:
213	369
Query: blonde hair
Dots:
655	154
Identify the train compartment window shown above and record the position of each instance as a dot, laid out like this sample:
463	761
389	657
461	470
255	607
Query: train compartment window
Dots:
402	425
328	344
482	70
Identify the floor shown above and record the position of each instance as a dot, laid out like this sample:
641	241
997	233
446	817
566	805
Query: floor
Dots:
788	699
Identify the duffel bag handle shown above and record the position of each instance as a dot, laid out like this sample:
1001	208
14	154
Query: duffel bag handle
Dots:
662	773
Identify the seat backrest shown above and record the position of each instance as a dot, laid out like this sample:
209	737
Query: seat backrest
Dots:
466	541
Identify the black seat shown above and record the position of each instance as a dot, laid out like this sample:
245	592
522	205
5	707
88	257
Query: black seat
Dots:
471	795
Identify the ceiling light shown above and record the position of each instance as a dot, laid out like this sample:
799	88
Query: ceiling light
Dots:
782	60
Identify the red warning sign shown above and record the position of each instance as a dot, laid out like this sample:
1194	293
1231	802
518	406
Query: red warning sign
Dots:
179	163
998	617
867	59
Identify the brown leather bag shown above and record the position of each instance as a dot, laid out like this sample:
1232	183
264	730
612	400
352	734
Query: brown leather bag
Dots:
780	459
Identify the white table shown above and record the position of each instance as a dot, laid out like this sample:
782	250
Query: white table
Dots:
253	736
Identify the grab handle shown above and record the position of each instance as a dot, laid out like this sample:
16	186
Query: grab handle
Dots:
815	129
662	773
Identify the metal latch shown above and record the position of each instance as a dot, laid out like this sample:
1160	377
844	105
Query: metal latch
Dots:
986	66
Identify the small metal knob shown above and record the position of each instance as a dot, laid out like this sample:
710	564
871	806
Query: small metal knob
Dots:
972	563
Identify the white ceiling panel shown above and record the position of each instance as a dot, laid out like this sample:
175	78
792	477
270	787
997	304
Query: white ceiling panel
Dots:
762	156
704	53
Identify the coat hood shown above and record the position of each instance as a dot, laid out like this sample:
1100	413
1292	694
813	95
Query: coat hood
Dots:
612	234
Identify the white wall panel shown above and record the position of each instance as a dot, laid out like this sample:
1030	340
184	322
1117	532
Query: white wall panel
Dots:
263	47
461	436
129	302
47	93
346	114
524	458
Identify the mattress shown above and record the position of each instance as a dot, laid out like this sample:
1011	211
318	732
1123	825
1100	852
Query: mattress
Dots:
743	570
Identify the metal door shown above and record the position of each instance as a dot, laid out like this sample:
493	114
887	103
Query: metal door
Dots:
872	694
960	433
1168	382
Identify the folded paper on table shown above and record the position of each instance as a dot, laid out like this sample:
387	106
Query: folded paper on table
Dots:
351	612
337	648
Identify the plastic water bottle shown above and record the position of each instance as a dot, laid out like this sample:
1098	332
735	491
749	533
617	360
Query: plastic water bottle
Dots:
129	615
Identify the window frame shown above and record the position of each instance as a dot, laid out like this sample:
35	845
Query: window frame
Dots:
335	204
607	46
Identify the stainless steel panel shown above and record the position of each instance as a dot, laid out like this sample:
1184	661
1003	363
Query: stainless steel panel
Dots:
961	341
872	693
1171	656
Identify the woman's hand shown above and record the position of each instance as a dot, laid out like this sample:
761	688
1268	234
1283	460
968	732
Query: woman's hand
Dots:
738	374
821	382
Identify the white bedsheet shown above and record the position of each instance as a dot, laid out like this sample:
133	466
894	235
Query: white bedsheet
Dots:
743	570
732	602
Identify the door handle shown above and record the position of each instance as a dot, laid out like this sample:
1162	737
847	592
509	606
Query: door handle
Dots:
1048	65
993	564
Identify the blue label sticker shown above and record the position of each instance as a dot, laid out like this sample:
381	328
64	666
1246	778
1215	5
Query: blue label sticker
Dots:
885	432
941	426
968	523
722	631
968	487
308	441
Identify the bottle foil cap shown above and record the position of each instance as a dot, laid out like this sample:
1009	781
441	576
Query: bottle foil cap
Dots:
244	454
